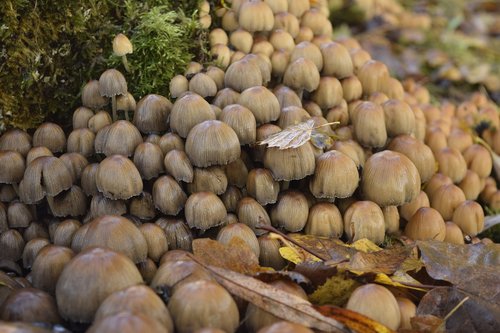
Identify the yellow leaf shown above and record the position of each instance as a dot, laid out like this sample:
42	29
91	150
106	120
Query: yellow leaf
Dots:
365	245
397	280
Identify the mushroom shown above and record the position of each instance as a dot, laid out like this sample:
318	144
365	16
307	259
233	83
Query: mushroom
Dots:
138	299
324	220
111	84
212	142
121	47
72	202
118	178
402	180
426	224
242	121
155	239
64	232
13	167
203	85
91	97
302	74
178	234
81	117
211	179
291	163
242	231
204	210
454	234
50	135
148	158
364	219
469	216
261	102
142	206
201	304
29	305
251	213
177	164
89	278
81	141
335	176
256	15
188	111
31	250
48	266
337	61
152	113
127	322
12	245
121	137
261	186
290	211
269	252
168	196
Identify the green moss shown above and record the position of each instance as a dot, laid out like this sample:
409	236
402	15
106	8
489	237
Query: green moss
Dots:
48	50
335	291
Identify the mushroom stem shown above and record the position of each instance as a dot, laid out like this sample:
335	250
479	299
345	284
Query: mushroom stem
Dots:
113	106
125	63
126	114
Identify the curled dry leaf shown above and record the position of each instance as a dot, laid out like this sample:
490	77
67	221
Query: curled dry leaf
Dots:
355	321
473	268
278	302
296	135
236	256
473	316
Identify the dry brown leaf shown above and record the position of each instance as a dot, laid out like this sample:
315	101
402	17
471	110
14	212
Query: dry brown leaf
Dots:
279	303
236	256
474	268
426	324
296	135
385	261
355	321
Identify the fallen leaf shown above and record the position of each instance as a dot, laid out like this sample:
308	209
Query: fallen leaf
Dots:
317	272
236	256
335	291
296	135
474	268
399	279
365	245
273	300
292	276
299	248
385	261
426	324
474	315
355	321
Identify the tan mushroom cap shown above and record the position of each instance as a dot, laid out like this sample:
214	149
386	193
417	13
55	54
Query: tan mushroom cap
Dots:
89	278
13	166
118	178
212	142
390	179
122	45
112	83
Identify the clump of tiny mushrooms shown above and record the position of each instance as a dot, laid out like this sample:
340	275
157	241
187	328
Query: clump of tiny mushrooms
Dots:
101	217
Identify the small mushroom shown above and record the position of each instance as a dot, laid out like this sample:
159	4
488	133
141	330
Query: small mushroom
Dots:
111	84
121	47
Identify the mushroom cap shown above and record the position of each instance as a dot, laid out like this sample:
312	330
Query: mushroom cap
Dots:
168	196
204	210
50	135
151	114
256	15
148	158
112	83
401	180
89	278
201	304
188	111
177	165
335	176
302	74
13	166
243	74
291	163
121	137
262	102
29	305
118	234
127	322
46	175
118	178
48	266
242	121
122	45
137	299
72	202
16	140
91	97
212	142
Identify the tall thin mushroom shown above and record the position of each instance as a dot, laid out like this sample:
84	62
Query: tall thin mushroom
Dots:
111	84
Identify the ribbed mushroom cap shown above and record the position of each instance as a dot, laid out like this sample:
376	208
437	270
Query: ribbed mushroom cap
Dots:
242	121
89	278
292	163
371	133
31	250
126	103
170	141
241	230
112	83
212	142
29	305
13	167
256	15
225	97
329	93
16	140
302	74
122	45
261	186
399	117
211	179
81	117
100	120
148	158
364	219
204	210
179	84
121	137
178	234
64	232
118	234
188	111
72	202
243	74
44	176
50	135
262	102
151	114
419	153
91	97
48	266
75	163
401	179
336	176
177	164
203	85
290	211
201	304
118	178
168	196
127	322
81	141
337	61
138	299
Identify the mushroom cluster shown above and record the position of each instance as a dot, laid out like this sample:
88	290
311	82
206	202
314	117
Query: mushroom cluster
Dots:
118	201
